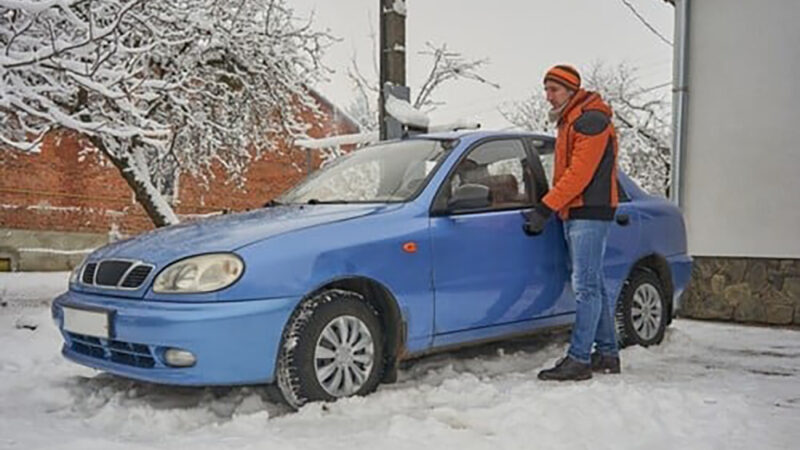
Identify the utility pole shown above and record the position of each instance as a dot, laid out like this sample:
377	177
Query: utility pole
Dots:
392	63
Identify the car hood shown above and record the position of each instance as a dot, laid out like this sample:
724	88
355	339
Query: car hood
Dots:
228	232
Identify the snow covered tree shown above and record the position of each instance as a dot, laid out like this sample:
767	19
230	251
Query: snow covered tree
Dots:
641	117
158	85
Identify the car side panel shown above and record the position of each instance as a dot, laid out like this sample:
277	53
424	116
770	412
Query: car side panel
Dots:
488	272
681	269
664	231
372	247
664	234
507	330
622	248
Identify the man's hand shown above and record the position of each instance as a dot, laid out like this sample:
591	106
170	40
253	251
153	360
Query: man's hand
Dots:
536	219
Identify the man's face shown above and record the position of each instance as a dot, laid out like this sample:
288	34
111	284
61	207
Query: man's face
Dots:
556	94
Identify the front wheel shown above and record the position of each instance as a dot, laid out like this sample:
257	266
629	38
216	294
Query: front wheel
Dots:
642	311
332	348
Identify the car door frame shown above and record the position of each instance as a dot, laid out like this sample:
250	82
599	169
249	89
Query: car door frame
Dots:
437	210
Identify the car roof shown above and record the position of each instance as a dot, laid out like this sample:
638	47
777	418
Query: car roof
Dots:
480	134
633	189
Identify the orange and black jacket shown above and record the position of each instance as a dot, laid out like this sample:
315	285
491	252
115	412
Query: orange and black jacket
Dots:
585	172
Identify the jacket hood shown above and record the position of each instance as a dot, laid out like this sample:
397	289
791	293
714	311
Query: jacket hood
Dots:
586	101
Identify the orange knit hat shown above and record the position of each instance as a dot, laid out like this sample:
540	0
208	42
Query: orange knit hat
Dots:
564	75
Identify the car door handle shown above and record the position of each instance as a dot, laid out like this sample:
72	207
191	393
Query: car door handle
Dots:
623	219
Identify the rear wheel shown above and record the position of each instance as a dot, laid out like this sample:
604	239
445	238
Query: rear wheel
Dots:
332	348
642	313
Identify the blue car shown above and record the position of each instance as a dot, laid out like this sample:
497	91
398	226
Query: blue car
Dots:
390	252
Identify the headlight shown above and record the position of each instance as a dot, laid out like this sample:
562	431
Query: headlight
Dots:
203	273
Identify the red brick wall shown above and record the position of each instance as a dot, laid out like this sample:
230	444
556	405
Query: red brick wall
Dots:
66	187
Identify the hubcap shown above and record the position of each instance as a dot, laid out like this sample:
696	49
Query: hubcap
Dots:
646	311
344	356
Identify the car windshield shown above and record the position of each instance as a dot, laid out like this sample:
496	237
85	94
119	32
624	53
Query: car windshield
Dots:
387	172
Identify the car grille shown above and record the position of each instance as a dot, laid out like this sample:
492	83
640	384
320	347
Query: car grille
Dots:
120	352
109	273
119	274
88	273
136	276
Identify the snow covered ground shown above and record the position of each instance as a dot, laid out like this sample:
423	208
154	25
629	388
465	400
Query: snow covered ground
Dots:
708	386
26	289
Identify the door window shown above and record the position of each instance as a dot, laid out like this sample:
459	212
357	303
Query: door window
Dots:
502	167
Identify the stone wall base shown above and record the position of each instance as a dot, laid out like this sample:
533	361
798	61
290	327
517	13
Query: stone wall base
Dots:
750	290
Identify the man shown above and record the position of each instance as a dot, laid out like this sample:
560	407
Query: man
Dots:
584	195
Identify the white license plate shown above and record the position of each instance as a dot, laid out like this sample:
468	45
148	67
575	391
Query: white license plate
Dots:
90	323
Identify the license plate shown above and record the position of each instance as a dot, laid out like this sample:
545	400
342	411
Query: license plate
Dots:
90	323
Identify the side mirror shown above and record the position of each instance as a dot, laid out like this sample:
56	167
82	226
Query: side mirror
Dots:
470	196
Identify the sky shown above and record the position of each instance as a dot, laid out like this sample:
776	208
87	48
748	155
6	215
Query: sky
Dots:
521	39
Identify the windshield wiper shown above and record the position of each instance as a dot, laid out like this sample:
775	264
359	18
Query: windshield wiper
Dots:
272	203
316	201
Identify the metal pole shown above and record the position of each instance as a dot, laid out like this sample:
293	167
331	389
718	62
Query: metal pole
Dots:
679	98
392	54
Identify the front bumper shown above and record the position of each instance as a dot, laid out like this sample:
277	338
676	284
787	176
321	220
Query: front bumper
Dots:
234	342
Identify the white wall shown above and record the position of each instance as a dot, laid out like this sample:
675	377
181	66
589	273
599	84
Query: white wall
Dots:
741	165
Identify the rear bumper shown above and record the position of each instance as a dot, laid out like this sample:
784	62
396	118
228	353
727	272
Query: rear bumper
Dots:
681	269
234	342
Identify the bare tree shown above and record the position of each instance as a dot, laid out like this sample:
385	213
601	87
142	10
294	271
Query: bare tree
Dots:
364	107
529	114
158	86
641	118
445	66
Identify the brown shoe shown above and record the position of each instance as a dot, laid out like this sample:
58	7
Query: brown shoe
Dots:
567	369
605	364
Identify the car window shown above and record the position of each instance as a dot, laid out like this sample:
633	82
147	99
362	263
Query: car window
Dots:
546	150
359	182
385	172
501	166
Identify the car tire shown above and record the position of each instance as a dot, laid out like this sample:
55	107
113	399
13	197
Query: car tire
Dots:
315	362
642	312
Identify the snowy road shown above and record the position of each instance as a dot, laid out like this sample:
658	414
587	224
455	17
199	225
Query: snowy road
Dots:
709	386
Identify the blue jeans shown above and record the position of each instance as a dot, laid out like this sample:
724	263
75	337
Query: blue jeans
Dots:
594	316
